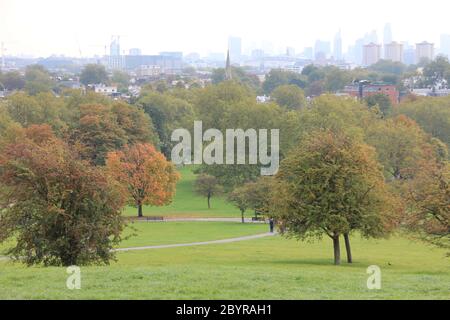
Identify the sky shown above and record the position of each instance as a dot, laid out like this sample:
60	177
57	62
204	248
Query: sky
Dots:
69	27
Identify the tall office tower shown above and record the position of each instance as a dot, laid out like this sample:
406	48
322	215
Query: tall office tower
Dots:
445	44
322	48
114	48
387	37
235	47
393	51
371	54
409	54
424	50
308	53
337	46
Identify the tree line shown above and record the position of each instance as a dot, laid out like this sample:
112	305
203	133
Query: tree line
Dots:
347	166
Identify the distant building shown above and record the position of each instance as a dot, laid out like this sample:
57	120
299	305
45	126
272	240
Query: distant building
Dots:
387	36
106	90
145	71
371	54
114	47
393	51
135	52
424	50
308	53
257	54
235	47
367	90
167	64
290	52
409	54
322	49
172	54
337	46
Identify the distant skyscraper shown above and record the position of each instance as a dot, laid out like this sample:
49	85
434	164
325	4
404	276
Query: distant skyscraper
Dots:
371	54
235	48
387	34
409	54
337	47
424	50
114	48
445	44
308	53
393	51
322	48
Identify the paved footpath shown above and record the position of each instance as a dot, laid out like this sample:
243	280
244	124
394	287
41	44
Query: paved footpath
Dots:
245	238
168	219
192	244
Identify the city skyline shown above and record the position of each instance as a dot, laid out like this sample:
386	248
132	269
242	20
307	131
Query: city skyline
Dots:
45	28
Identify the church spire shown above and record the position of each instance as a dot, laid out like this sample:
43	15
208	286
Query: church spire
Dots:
228	67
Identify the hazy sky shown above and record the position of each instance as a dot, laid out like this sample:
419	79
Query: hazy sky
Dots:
44	27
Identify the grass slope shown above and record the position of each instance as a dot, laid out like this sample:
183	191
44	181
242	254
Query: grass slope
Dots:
268	268
188	204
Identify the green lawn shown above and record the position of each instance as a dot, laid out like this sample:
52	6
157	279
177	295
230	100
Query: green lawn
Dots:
267	268
188	204
157	233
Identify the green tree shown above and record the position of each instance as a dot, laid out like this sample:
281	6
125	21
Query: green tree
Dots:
437	70
121	79
431	113
207	186
238	197
277	77
332	184
37	79
93	74
381	101
12	81
289	96
167	114
60	209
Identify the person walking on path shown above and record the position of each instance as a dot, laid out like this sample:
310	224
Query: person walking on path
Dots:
271	224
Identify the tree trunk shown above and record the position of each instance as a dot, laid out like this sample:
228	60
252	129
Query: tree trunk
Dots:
242	216
140	214
337	250
209	202
348	248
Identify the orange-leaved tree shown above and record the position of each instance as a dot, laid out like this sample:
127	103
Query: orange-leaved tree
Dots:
147	177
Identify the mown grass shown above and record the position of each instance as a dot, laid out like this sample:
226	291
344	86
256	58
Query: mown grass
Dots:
268	268
187	203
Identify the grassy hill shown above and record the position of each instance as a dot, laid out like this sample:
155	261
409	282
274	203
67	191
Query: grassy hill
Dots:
268	268
188	204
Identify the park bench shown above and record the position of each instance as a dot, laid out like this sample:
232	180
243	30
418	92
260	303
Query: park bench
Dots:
155	218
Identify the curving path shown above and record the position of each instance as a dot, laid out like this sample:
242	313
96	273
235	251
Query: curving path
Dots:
192	244
245	238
